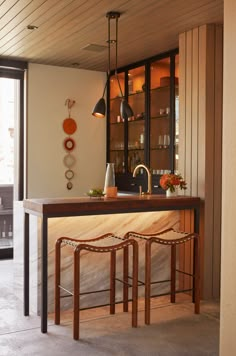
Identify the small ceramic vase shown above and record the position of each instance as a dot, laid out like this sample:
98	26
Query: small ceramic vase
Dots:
171	194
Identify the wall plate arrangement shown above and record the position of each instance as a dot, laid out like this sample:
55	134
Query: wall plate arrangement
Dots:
69	144
69	127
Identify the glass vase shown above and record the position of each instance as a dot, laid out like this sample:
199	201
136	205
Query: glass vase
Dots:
110	176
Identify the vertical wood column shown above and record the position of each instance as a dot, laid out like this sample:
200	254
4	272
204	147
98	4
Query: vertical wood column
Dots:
200	141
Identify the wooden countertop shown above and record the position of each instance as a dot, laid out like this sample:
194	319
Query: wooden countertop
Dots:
59	207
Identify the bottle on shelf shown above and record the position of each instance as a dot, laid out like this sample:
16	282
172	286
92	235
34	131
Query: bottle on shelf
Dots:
130	86
4	229
137	159
141	140
10	233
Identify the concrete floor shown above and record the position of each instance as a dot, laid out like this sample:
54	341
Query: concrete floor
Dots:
174	331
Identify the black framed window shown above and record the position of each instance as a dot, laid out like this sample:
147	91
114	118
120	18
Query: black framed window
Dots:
13	69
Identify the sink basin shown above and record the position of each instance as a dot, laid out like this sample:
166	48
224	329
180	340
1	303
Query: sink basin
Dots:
124	193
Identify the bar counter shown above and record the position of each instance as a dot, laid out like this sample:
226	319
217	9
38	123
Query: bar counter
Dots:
68	207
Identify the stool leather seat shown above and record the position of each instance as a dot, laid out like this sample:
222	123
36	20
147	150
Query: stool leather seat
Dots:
107	243
172	238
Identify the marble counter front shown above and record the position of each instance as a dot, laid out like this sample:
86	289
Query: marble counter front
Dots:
89	218
94	267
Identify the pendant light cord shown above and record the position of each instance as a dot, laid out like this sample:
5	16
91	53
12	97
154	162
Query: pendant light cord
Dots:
117	57
109	54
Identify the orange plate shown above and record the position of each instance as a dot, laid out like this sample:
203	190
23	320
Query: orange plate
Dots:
69	126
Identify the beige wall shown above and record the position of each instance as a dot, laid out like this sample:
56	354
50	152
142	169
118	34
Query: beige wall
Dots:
228	265
48	89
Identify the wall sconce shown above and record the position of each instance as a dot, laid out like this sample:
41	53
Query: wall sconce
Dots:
99	110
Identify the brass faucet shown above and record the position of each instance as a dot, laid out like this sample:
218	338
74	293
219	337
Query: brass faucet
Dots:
149	190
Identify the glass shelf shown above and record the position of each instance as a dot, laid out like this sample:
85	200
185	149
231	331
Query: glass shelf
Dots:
140	121
163	88
164	116
117	150
117	123
160	147
136	149
116	98
137	93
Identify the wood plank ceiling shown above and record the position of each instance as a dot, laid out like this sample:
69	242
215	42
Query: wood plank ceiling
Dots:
65	27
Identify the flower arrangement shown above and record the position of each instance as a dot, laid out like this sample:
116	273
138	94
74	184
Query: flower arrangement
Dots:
170	181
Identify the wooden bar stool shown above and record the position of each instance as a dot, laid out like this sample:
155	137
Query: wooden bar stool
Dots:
172	238
102	244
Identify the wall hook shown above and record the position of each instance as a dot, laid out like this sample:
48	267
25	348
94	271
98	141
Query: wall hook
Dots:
69	103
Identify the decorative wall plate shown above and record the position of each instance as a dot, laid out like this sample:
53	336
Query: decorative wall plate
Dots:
69	174
69	160
69	126
69	185
69	144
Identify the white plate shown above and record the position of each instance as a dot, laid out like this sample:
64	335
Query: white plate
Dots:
69	160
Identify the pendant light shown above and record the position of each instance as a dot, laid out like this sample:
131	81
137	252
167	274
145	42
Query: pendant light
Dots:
99	110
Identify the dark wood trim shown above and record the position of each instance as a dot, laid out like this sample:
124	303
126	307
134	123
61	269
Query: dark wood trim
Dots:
12	69
120	181
172	111
20	190
14	64
125	204
6	253
147	115
147	60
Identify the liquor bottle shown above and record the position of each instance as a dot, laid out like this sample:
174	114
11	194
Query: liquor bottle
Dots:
141	139
10	234
4	229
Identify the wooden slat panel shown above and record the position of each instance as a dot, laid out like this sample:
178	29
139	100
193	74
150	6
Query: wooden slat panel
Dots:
182	104
195	97
204	67
202	112
145	30
188	136
182	251
167	27
188	252
10	9
209	154
217	160
201	143
202	260
59	22
16	32
17	13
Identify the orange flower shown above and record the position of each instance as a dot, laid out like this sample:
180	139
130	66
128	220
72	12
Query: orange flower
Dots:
170	181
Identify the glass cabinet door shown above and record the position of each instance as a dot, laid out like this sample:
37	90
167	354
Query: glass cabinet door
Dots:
151	136
160	116
116	123
176	114
136	124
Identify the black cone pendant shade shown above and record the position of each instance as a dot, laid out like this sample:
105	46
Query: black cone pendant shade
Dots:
125	110
99	110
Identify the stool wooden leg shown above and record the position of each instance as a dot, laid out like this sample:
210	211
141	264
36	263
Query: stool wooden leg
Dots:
112	282
76	299
196	278
173	273
135	286
125	279
57	281
147	281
